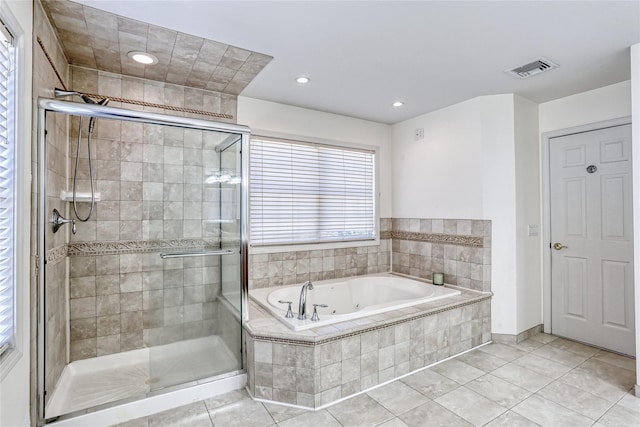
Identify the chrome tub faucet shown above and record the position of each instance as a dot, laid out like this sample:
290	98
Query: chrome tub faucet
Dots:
302	306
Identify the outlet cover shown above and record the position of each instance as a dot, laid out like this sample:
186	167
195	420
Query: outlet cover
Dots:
418	134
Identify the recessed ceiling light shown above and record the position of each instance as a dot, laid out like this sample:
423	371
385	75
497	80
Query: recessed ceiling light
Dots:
398	104
303	79
143	57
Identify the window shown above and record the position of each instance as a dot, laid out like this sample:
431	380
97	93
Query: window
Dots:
7	191
310	193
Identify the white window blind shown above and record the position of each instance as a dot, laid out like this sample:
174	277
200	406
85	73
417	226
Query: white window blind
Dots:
310	193
7	191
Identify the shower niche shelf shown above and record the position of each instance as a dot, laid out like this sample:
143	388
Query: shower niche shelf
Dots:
67	196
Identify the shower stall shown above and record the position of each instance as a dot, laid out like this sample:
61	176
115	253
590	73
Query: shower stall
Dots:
142	287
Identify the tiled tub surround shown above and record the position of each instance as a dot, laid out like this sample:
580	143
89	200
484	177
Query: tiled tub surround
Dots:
316	367
461	248
288	268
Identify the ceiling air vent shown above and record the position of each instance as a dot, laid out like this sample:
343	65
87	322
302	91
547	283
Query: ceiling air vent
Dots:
538	66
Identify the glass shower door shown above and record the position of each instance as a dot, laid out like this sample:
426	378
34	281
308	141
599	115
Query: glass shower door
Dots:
201	325
145	293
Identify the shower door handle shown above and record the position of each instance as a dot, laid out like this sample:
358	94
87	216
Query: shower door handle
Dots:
165	255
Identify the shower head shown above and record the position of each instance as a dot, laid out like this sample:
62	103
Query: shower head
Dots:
61	93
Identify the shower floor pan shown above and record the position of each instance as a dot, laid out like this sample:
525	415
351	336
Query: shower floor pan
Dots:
92	382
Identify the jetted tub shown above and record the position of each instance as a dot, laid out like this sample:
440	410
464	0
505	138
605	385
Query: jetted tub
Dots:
349	298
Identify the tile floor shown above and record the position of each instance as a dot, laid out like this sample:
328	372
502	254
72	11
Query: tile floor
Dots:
544	380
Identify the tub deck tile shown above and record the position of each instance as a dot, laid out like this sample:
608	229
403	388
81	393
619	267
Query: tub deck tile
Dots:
368	351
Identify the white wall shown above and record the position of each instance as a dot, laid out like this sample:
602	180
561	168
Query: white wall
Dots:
14	380
609	102
301	122
528	212
499	205
465	168
439	176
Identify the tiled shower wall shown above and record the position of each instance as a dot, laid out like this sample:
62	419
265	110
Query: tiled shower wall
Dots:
44	80
123	296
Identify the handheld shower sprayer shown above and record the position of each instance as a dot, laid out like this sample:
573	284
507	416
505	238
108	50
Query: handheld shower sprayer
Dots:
59	93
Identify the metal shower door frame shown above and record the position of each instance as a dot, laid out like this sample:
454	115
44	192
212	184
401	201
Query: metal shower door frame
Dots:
45	105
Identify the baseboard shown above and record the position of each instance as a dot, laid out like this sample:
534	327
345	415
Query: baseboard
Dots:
515	339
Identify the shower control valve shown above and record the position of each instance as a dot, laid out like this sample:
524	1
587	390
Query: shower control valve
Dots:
58	221
315	317
289	314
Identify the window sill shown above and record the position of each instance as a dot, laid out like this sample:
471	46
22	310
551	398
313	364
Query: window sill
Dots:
8	360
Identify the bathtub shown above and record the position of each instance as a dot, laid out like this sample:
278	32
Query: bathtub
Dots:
349	298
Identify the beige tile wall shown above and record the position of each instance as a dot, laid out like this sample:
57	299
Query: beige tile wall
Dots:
150	179
288	268
460	248
129	301
316	375
44	80
462	264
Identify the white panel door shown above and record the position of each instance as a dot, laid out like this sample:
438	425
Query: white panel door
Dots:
592	238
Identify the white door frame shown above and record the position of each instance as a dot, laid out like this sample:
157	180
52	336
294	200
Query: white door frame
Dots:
546	208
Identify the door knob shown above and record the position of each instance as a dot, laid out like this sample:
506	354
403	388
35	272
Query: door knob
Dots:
558	246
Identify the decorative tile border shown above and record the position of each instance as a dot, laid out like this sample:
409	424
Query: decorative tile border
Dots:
450	239
385	235
137	246
386	324
56	255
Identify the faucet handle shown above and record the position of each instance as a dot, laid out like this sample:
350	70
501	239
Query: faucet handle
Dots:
56	220
289	314
315	317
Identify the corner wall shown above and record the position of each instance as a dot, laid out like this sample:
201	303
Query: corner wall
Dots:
528	213
465	168
499	206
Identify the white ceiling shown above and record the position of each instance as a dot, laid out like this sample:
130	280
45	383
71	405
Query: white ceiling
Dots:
363	55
